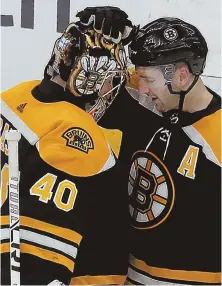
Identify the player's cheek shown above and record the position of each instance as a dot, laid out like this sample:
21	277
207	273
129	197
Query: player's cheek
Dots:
143	87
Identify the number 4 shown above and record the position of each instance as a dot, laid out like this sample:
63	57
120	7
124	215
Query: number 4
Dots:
43	188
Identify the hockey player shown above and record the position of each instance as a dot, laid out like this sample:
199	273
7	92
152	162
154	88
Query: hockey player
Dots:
73	207
175	175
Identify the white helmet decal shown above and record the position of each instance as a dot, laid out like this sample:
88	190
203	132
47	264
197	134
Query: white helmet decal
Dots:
170	34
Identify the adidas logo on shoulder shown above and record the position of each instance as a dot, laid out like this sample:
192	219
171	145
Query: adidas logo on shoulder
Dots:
21	107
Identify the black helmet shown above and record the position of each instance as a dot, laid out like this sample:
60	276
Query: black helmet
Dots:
168	41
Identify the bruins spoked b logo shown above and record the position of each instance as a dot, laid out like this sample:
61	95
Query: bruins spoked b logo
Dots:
78	138
170	34
151	191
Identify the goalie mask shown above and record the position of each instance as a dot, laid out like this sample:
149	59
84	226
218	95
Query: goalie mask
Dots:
91	68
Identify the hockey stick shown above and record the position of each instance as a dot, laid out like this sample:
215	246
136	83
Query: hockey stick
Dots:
13	138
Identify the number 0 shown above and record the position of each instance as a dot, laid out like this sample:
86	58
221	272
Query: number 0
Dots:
65	185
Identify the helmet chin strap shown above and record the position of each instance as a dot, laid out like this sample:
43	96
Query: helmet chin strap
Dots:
182	93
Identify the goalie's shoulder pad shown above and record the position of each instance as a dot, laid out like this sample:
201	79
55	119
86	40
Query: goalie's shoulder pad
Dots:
67	137
76	145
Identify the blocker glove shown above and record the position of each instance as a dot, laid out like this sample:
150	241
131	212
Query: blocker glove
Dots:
111	22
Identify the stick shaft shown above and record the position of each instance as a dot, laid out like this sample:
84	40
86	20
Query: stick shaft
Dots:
13	138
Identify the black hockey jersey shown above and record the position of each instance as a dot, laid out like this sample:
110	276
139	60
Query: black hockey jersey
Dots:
174	191
73	207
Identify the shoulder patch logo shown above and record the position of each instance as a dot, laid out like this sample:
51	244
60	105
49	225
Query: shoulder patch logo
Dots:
78	138
21	107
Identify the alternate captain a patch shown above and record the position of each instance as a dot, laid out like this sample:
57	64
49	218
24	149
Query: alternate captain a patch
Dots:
78	138
151	191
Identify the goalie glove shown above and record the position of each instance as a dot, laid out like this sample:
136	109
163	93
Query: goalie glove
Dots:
111	22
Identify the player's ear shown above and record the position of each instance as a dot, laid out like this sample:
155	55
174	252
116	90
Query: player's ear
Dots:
183	75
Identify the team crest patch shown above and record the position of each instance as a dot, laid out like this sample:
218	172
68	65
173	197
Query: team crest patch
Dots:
170	34
151	191
78	138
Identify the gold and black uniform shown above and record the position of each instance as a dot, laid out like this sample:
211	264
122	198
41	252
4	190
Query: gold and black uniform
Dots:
73	206
174	188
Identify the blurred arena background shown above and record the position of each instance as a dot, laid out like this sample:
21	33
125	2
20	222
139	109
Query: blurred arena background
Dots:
30	27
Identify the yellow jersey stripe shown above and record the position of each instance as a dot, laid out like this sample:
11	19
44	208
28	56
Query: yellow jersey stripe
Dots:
209	128
114	137
98	280
4	220
200	276
47	255
43	226
42	253
4	247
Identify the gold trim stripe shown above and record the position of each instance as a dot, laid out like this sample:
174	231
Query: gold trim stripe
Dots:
150	215
4	220
4	247
197	276
148	165
47	255
160	200
98	280
41	253
160	180
43	226
212	138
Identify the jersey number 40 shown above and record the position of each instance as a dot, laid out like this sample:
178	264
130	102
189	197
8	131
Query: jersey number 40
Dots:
43	189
